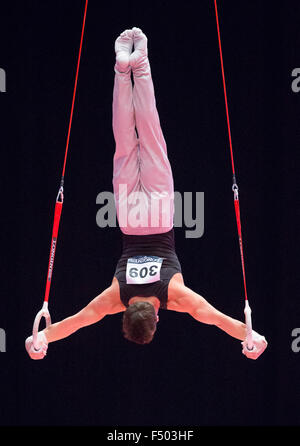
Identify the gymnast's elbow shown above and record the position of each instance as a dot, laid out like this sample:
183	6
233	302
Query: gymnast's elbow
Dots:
205	316
86	317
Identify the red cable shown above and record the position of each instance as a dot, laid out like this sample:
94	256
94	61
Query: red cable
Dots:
59	200
224	88
235	188
74	92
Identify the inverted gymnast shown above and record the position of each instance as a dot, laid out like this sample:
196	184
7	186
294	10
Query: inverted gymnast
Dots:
148	274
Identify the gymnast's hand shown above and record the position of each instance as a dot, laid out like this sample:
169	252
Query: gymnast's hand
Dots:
42	346
259	346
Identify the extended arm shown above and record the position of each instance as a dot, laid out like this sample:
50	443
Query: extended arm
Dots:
186	300
96	310
207	314
107	302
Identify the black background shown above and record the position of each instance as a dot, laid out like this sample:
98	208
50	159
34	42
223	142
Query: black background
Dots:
191	374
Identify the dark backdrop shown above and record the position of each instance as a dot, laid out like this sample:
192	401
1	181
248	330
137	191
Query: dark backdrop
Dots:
191	374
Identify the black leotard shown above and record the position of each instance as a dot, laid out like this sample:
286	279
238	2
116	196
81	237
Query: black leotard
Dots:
160	245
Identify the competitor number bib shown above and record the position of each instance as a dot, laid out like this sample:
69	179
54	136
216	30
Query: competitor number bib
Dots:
143	269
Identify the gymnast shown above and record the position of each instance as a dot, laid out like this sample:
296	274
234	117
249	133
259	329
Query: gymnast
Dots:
148	274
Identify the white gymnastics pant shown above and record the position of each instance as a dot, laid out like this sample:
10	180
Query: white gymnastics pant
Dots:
142	176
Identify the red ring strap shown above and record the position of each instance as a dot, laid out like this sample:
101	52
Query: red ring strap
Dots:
59	200
235	188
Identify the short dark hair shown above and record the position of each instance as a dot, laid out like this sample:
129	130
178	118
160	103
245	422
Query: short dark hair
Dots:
139	322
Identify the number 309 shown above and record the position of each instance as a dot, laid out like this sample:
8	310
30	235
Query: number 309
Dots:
143	272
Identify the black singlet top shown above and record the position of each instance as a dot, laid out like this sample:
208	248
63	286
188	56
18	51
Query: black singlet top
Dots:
160	245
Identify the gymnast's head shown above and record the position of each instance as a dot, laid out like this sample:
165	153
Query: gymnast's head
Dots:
139	322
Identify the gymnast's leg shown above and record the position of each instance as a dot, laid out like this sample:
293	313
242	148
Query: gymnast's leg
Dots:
126	159
156	173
